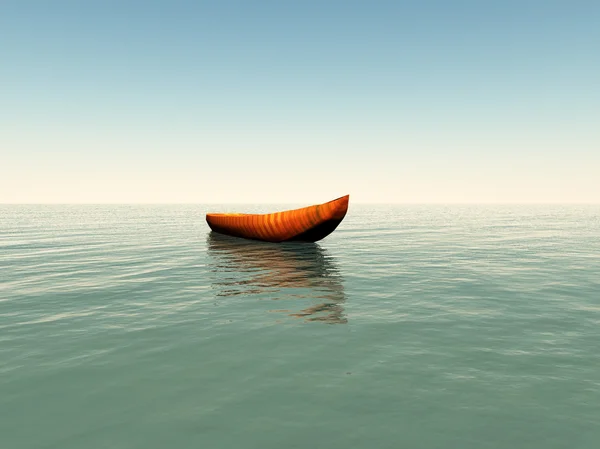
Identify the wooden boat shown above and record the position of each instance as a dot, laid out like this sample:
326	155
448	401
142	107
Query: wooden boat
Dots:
307	224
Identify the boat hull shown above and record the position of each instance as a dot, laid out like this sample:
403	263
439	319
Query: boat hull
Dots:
307	224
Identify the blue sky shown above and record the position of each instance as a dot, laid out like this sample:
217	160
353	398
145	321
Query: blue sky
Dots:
277	101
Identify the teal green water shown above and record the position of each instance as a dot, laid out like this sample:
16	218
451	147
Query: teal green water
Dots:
410	326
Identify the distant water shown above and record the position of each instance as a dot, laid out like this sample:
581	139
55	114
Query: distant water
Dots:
409	327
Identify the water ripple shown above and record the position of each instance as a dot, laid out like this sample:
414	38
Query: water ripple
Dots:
133	326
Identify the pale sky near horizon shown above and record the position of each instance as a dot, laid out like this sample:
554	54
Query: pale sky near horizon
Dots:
299	102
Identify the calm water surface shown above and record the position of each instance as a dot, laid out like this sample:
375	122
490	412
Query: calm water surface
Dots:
410	326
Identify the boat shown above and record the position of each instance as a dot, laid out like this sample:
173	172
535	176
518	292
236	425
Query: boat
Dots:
307	224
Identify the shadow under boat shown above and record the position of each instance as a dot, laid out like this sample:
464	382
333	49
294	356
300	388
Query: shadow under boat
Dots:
294	272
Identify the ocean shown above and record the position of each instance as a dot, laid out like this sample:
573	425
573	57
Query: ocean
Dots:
132	326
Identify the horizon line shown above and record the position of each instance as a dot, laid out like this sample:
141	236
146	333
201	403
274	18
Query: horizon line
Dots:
474	203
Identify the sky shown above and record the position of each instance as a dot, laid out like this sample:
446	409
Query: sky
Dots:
299	102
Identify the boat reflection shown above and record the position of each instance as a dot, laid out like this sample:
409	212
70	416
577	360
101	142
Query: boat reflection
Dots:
294	272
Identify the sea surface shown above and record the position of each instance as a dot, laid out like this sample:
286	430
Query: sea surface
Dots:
409	327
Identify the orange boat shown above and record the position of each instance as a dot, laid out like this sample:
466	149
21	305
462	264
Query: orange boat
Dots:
307	224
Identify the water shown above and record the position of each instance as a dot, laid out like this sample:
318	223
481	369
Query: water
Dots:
410	326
